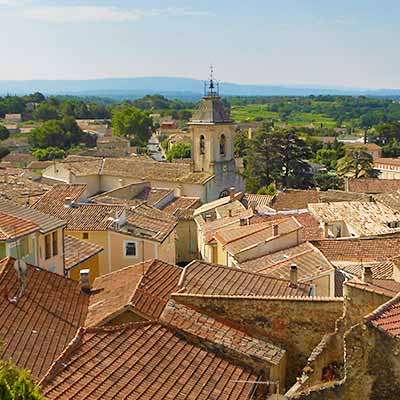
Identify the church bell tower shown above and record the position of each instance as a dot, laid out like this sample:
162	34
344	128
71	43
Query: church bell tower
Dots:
212	133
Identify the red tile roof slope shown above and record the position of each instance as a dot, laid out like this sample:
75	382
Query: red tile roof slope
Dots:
13	227
387	287
145	287
77	251
387	317
209	279
365	250
309	260
38	327
381	270
294	199
146	361
374	185
312	229
221	334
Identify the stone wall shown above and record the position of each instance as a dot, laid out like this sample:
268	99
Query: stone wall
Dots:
359	303
296	323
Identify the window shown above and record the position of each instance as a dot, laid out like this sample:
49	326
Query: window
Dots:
130	249
54	237
202	145
47	247
222	145
85	235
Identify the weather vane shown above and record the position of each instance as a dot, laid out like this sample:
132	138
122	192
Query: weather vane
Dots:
212	85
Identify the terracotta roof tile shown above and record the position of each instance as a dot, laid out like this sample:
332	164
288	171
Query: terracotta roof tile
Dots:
309	260
312	229
13	227
387	287
182	203
148	221
145	287
221	335
209	279
386	161
77	251
373	185
261	200
359	250
147	360
45	222
391	200
380	270
37	328
236	240
387	317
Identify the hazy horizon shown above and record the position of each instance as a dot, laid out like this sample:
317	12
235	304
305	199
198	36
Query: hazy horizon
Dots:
290	43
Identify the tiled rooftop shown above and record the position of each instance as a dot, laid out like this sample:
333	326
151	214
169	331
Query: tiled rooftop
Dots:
236	240
220	334
391	200
294	199
12	228
36	329
309	260
76	251
362	218
387	287
209	279
312	229
144	287
20	190
373	185
261	200
359	250
148	221
380	270
45	222
147	361
182	207
135	168
387	161
387	317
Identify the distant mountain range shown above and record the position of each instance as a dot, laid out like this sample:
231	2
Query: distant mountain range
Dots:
183	88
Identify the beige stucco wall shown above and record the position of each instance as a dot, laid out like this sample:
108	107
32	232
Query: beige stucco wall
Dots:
186	241
54	263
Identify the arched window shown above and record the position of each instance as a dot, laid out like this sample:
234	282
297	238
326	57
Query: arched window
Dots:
202	145
222	145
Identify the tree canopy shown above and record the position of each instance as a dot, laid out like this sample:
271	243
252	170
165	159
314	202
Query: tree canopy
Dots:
357	163
134	124
179	151
4	132
17	384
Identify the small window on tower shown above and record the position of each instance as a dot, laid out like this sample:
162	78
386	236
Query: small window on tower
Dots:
202	145
222	145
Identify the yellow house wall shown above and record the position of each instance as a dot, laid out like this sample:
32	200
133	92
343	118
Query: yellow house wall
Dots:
323	286
100	238
92	264
167	249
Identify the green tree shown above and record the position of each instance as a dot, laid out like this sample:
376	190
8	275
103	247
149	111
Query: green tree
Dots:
134	124
50	153
3	151
4	132
327	157
357	163
17	384
277	156
326	181
241	145
269	190
61	134
45	112
179	151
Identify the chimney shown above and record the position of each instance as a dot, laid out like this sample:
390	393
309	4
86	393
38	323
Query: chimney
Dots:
275	228
230	213
232	192
253	206
243	222
84	281
367	275
293	275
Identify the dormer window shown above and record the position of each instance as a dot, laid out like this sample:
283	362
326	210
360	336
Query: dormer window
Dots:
202	145
222	145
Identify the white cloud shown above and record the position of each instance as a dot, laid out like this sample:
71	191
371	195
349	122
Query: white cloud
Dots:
64	14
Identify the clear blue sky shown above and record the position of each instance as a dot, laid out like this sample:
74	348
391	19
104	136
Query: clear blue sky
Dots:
326	42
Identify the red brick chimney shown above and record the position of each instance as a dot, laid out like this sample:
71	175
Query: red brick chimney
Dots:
367	275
